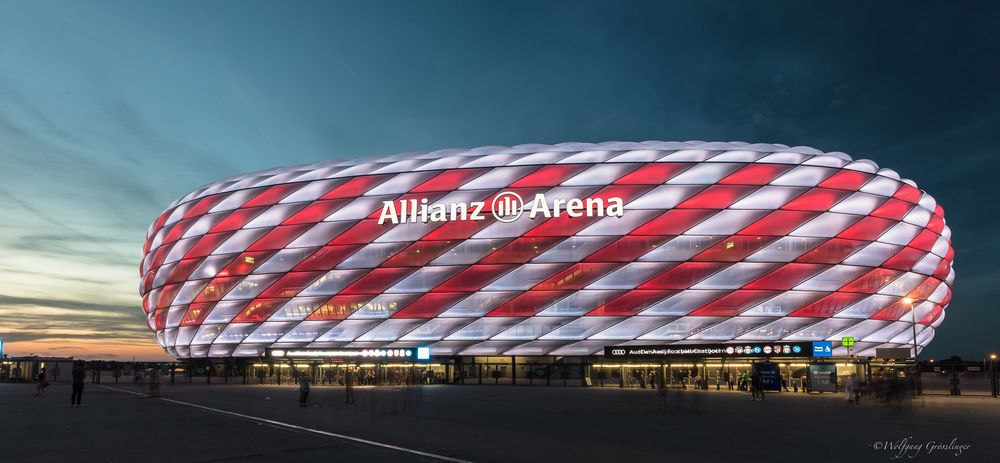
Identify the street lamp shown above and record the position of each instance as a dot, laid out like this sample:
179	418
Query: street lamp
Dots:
913	318
993	374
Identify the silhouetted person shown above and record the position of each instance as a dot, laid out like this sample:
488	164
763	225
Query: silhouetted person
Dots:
42	383
79	376
303	390
154	382
349	385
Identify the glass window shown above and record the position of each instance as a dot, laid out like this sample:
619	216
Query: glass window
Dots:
371	255
270	331
347	330
207	333
235	333
225	311
332	283
681	328
250	287
479	303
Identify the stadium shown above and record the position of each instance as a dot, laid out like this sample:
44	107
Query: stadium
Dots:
551	254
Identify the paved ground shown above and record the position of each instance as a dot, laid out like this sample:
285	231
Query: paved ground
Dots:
479	423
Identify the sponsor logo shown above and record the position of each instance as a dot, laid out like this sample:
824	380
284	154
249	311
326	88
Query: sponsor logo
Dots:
506	206
617	351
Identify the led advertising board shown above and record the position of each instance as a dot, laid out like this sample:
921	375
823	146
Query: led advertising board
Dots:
750	349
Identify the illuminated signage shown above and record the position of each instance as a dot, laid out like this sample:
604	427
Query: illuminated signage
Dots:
822	349
752	349
847	341
506	206
408	353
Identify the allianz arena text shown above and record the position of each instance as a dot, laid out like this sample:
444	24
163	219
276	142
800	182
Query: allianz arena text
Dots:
561	250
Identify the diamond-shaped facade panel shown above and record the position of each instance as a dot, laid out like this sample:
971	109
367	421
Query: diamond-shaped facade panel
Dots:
540	250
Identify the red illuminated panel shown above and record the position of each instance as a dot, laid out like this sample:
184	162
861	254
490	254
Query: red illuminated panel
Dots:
527	304
315	212
449	180
377	280
778	223
196	314
279	237
892	209
207	244
167	295
924	241
684	275
576	276
419	253
273	195
217	288
627	248
816	199
259	310
237	219
674	222
204	205
755	174
868	228
631	303
339	307
327	257
182	270
908	193
653	173
832	251
458	229
430	305
734	248
355	187
893	312
363	232
245	263
850	180
521	250
872	281
290	284
474	278
828	305
549	175
905	259
563	225
786	277
716	197
734	303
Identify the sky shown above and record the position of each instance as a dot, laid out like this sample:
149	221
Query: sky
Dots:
110	110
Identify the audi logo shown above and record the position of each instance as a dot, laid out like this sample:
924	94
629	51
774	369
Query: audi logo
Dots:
617	351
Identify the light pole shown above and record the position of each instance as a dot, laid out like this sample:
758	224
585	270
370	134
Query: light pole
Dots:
913	319
993	374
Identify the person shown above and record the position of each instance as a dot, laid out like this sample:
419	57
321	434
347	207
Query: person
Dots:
756	386
154	382
78	376
848	390
303	389
349	385
784	384
42	384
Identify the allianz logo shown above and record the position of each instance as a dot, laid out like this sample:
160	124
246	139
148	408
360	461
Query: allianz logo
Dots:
506	206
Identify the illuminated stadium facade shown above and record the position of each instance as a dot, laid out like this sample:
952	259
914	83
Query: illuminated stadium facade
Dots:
562	250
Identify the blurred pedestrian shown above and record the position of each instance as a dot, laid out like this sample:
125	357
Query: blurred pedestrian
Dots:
79	376
42	383
303	390
349	385
154	382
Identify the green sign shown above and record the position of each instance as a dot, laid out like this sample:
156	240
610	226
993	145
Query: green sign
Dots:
847	341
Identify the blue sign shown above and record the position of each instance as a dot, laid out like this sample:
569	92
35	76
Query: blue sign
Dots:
796	349
822	349
770	376
1	347
423	353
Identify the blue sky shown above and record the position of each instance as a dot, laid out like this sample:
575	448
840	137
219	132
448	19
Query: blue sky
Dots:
111	110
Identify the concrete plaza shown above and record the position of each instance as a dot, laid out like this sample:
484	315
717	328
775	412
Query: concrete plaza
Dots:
208	423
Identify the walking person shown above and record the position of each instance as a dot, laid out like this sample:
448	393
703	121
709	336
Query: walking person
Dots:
154	382
349	385
79	376
303	390
755	387
855	386
42	383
